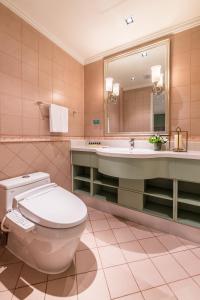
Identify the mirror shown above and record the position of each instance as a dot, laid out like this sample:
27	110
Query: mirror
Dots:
136	86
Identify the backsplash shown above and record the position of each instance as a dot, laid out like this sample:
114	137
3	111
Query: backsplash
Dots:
28	157
32	68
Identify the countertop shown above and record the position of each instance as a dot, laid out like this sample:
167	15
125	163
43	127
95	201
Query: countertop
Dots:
136	152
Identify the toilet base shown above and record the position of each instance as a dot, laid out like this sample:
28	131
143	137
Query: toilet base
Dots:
38	269
47	250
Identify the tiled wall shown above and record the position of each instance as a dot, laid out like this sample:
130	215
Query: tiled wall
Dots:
93	97
32	68
185	81
136	109
27	157
185	86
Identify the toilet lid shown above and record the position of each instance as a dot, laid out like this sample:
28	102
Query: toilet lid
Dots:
53	207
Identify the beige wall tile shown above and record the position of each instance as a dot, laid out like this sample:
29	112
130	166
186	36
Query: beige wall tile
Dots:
30	36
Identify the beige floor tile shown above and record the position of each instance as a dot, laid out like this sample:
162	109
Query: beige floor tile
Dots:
34	292
7	295
189	261
105	238
186	289
87	260
172	243
153	247
141	232
169	268
100	225
116	222
135	296
98	215
87	241
111	256
92	285
9	276
146	274
133	251
123	235
30	276
159	293
63	288
88	227
120	281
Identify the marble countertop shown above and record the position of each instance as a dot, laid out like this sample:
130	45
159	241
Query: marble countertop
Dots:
136	152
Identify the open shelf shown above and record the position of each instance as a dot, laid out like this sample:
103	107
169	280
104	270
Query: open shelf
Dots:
82	173
158	192
189	193
159	187
106	180
81	186
105	193
158	206
189	214
189	198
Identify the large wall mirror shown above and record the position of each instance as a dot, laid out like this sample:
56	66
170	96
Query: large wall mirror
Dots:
136	89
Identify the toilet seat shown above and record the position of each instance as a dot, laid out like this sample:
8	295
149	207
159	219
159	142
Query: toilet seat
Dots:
52	206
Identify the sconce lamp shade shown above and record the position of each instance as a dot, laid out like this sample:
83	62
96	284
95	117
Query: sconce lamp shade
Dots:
109	84
155	73
116	89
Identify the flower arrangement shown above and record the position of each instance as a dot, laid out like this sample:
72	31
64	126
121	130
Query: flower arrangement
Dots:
157	140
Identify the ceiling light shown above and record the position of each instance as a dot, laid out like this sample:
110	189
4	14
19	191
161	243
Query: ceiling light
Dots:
129	20
133	78
144	54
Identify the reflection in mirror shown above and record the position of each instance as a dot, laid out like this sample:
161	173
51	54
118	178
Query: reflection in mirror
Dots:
136	91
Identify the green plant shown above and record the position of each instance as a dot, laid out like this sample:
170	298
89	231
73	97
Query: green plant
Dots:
155	139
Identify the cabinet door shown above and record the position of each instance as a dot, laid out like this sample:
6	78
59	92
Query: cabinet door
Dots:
130	199
132	184
84	159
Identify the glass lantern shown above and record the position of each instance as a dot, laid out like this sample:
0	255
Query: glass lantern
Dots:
179	140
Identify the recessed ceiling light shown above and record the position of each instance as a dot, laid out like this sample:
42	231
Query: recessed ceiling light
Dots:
133	78
129	20
144	54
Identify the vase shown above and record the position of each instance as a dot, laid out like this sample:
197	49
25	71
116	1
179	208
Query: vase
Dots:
157	146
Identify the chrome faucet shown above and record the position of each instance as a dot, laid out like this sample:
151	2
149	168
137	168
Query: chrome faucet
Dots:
132	143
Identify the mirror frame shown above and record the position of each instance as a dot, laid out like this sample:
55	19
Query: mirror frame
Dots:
125	53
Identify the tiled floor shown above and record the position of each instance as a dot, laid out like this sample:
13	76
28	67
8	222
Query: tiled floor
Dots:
116	259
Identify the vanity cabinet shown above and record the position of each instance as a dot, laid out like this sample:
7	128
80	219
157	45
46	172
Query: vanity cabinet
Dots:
172	198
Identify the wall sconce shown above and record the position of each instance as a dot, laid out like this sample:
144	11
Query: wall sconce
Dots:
112	89
157	79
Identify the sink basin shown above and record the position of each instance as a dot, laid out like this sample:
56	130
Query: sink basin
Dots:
114	150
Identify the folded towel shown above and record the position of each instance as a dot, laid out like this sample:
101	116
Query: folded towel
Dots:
58	118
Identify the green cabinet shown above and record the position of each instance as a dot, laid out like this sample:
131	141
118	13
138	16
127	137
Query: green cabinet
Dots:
131	184
170	197
130	199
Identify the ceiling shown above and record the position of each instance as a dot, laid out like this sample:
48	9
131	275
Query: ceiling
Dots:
90	29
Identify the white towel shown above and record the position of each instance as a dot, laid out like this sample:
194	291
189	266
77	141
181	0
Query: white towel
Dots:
58	118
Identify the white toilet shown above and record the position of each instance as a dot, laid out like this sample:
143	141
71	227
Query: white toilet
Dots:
45	221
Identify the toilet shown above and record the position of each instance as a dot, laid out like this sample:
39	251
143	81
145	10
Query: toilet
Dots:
44	221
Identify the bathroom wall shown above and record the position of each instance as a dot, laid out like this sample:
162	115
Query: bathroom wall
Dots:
185	86
32	69
27	157
137	110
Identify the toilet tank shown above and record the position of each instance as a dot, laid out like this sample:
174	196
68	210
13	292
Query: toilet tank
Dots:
9	188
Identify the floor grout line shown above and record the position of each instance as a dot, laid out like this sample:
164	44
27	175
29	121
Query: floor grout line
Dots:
118	244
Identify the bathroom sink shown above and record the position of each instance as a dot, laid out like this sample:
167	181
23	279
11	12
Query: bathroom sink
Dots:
126	150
